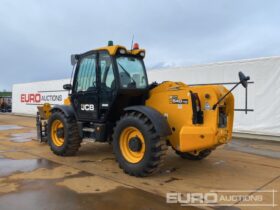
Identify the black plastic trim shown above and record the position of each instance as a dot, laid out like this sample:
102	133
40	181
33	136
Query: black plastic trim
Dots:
67	110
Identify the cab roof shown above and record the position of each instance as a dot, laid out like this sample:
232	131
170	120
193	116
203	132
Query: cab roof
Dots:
112	50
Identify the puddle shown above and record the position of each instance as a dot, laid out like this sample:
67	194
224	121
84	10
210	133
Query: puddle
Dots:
43	173
46	194
43	183
10	166
23	137
9	127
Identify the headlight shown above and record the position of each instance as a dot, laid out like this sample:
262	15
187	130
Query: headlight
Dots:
122	51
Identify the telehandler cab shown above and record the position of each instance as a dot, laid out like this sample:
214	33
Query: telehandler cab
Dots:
110	100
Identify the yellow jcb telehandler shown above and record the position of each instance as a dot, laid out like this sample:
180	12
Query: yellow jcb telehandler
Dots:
110	100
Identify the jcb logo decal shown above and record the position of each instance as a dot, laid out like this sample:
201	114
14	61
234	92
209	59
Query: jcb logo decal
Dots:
87	107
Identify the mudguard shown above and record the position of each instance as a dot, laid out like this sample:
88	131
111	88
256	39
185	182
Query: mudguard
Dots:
159	121
67	110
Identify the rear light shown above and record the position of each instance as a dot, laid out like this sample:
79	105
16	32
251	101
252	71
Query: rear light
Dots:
222	117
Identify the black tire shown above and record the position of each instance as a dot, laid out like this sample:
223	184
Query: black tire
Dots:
72	139
155	146
201	155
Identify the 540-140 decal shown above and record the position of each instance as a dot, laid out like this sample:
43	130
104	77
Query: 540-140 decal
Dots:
175	100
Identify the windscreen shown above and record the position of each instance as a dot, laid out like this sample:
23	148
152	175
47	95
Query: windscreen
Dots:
131	72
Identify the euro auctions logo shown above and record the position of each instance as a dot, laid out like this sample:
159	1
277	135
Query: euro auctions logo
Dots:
39	98
258	198
30	98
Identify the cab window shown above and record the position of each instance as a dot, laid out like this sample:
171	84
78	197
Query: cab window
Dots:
131	72
107	73
86	76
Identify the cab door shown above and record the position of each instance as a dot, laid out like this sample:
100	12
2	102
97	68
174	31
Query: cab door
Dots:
84	96
107	85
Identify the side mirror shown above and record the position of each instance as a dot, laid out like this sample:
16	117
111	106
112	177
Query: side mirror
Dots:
74	59
67	87
243	79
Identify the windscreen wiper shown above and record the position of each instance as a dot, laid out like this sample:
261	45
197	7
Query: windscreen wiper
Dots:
125	71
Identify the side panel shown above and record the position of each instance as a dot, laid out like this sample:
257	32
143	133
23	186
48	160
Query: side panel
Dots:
86	105
174	101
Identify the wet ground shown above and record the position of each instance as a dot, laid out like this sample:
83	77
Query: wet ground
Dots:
31	177
9	127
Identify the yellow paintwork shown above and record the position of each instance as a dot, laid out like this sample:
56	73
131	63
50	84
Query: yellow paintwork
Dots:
54	126
67	101
137	51
44	111
126	135
112	50
187	137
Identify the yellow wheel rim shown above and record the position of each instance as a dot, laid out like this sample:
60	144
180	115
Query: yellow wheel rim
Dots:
57	124
126	136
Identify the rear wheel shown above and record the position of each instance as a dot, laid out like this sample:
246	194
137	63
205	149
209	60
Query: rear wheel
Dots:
63	135
201	155
138	148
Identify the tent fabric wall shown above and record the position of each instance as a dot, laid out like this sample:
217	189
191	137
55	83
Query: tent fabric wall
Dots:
263	95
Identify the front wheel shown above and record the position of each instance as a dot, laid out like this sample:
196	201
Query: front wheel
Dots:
138	148
63	135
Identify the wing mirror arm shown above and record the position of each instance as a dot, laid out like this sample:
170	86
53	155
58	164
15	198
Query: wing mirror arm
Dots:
67	87
242	80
